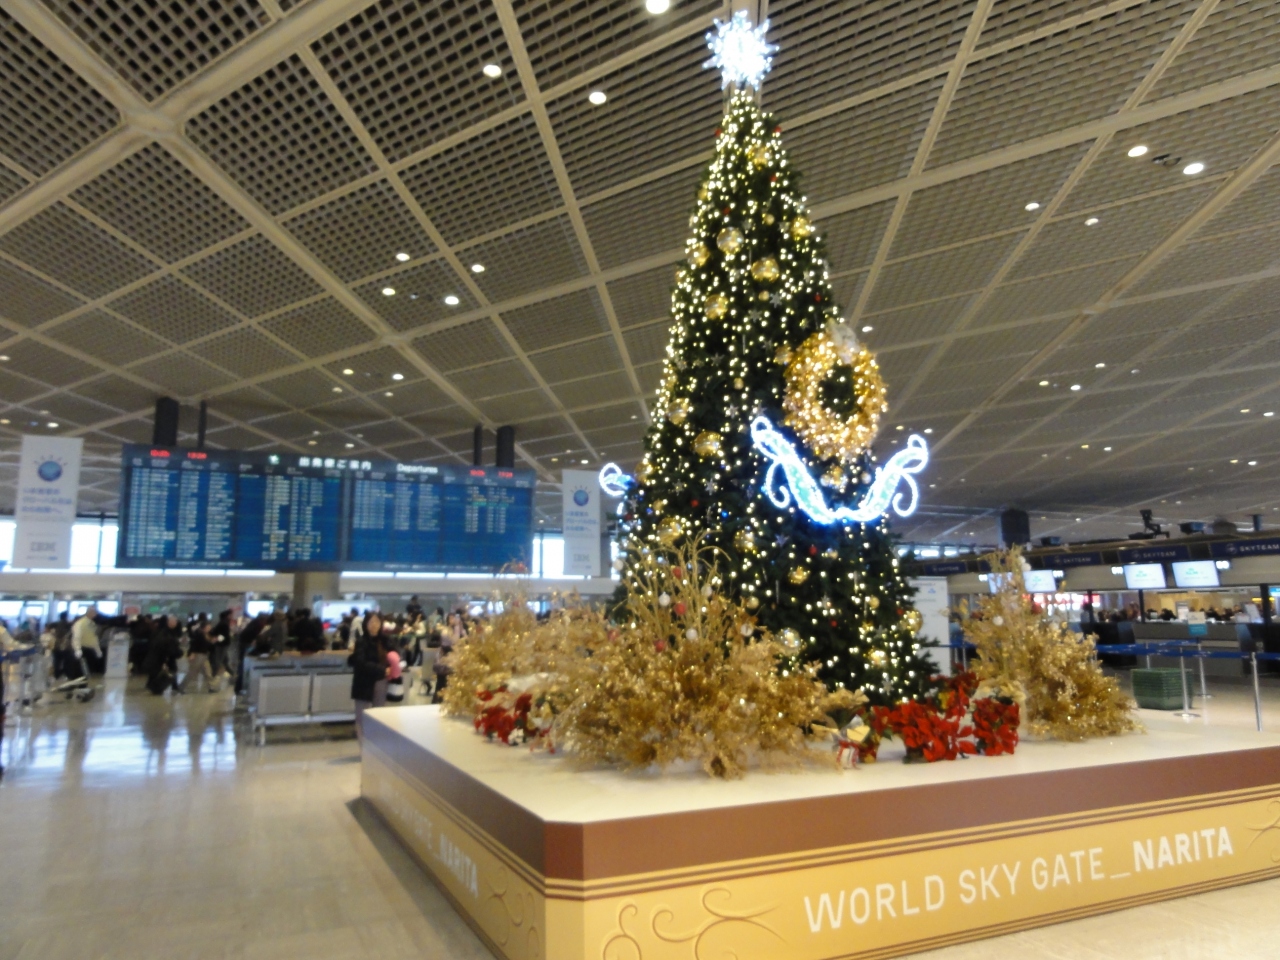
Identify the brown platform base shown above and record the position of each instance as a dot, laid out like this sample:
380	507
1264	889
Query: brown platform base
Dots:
546	861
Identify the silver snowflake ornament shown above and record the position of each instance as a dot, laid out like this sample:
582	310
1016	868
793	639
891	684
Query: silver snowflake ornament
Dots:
739	51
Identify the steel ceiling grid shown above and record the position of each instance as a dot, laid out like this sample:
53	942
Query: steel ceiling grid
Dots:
253	276
492	380
852	238
832	50
411	70
909	325
1236	331
867	145
643	297
319	329
10	183
154	46
396	432
548	323
515	407
47	112
281	139
1221	135
1258	205
291	426
466	345
1199	261
184	376
647	344
896	368
1015	18
481	185
245	352
107	338
1135	227
598	389
67	408
118	392
347	413
985	203
1149	318
419	295
234	438
173	310
647	220
650	377
440	422
1239	36
155	201
416	397
611	415
304	389
564	38
361	233
935	275
527	259
1055	294
372	369
27	300
576	360
667	96
17	388
614	437
1258	297
1083	73
66	247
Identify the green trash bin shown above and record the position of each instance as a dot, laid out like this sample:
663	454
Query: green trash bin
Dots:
1158	689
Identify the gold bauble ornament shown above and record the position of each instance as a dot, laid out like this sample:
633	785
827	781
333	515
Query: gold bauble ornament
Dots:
769	219
670	529
878	657
790	639
758	155
763	296
913	621
703	192
782	355
700	255
827	433
765	270
738	383
834	477
801	227
707	444
716	306
682	275
798	575
831	553
752	603
678	411
729	240
744	542
644	472
873	602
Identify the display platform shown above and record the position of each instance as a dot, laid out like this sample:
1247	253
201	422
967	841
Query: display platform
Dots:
546	860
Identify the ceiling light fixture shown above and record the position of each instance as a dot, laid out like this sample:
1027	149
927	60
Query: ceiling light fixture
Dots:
347	372
477	268
867	328
1252	463
4	358
1031	207
1084	446
1099	366
403	257
5	421
54	426
657	6
1269	413
1244	409
337	389
1106	449
388	291
1044	383
928	429
388	394
1235	461
1075	386
1134	370
397	376
311	443
451	300
597	97
1091	222
585	462
1191	169
1139	151
492	71
350	446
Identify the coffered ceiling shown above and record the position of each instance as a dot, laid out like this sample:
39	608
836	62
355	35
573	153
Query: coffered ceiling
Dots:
210	200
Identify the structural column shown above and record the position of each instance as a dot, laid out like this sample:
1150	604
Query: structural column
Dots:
312	586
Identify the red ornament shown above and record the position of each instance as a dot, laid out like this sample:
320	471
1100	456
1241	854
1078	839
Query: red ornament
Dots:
677	572
693	503
778	128
773	178
728	210
817	298
680	609
719	131
833	623
813	551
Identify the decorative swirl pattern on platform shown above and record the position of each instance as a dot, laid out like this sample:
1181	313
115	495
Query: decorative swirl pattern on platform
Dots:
1273	811
627	911
517	912
899	469
720	918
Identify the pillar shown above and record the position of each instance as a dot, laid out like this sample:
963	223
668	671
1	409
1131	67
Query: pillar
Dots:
312	586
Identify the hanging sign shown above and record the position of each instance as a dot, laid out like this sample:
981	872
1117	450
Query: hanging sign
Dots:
45	509
581	511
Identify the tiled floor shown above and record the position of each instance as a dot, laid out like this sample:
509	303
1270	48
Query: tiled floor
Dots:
138	827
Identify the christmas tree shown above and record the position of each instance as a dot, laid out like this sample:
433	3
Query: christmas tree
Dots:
766	412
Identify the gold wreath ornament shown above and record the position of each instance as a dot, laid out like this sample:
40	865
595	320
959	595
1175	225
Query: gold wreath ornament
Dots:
827	433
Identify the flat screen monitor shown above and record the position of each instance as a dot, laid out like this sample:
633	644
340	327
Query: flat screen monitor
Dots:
251	510
1040	581
1144	576
1195	573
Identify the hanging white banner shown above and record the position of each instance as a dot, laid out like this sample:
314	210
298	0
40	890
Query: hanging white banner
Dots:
581	522
48	488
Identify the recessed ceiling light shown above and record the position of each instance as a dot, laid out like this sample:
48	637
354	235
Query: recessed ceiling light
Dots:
397	376
1032	206
337	389
1084	446
1044	383
1107	449
403	257
1191	169
451	300
388	394
1134	370
900	426
657	6
477	268
349	445
5	421
1139	151
388	291
4	358
1075	386
315	433
492	71
1269	413
1235	461
635	416
1252	463
1244	409
555	459
54	426
867	328
1091	222
347	372
311	443
585	462
928	429
597	97
1099	366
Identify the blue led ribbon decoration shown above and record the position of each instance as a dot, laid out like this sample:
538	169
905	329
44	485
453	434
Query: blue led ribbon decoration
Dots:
613	481
897	470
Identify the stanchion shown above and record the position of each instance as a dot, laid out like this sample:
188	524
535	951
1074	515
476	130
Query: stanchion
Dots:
1186	697
1257	694
1204	687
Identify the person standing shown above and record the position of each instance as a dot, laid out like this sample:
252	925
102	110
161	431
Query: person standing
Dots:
163	651
220	639
198	650
369	670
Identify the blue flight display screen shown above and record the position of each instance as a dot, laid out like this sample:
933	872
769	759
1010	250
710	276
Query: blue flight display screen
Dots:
229	509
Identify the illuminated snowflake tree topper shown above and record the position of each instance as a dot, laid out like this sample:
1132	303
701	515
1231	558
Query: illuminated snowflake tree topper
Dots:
739	51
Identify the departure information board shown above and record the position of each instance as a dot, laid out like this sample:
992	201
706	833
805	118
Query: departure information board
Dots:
225	508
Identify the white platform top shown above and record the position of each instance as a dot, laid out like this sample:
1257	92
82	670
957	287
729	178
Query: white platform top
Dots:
557	788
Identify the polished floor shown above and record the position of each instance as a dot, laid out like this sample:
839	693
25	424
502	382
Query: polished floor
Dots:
140	827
